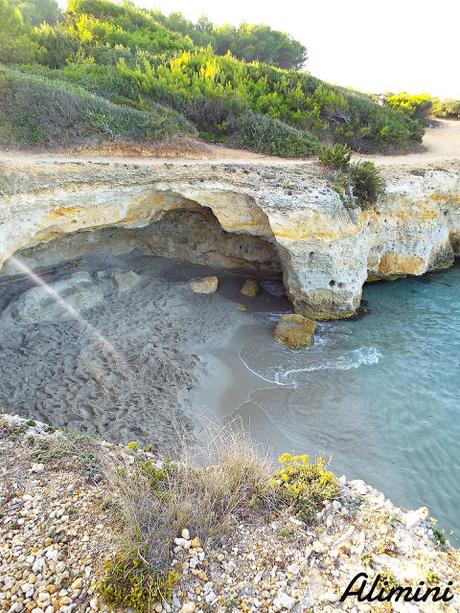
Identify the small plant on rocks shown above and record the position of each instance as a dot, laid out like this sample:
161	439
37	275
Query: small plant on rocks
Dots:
357	183
130	581
337	157
304	485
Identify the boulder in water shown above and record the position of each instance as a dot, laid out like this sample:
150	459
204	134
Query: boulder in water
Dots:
294	331
204	285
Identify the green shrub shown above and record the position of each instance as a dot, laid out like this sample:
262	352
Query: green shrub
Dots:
358	183
367	183
130	581
35	111
303	485
273	137
416	107
15	42
337	157
447	109
140	58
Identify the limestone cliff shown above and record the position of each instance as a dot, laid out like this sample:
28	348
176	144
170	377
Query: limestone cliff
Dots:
253	217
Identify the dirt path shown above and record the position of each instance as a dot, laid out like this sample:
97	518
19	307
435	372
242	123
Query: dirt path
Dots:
441	142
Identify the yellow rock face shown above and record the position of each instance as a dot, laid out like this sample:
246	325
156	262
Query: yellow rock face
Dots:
295	331
393	263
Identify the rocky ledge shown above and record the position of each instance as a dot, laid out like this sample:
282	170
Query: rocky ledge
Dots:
59	524
258	218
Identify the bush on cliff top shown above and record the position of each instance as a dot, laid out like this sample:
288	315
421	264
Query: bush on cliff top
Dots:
357	183
37	112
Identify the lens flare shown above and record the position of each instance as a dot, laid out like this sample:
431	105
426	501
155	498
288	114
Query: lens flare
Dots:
94	333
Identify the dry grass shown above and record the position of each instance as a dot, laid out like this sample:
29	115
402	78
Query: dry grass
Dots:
205	492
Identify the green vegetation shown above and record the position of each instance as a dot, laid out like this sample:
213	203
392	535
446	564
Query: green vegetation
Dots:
367	183
337	158
357	183
417	107
420	107
440	537
130	581
273	137
237	85
303	485
446	109
156	501
35	111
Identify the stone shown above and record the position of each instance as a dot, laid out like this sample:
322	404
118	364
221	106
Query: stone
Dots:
294	331
188	607
283	601
63	299
325	250
293	569
204	285
415	518
185	534
37	467
196	542
250	288
126	280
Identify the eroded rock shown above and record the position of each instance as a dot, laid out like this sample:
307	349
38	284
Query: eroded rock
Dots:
250	288
294	331
240	217
205	285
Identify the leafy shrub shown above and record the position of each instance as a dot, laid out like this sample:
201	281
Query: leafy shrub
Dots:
416	107
367	183
130	581
303	485
15	42
144	58
273	137
447	109
337	157
358	183
35	111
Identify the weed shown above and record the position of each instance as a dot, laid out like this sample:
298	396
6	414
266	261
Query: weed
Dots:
303	485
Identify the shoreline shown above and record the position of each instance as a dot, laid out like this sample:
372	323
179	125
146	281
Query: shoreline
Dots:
276	565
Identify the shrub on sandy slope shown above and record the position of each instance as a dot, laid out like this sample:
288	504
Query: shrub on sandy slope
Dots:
273	137
36	111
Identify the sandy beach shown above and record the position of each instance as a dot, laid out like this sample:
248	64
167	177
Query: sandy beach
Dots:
60	370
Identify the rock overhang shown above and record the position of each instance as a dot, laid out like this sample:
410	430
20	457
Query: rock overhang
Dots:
326	251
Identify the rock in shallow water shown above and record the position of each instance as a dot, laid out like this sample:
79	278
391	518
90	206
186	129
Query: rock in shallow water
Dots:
204	285
294	331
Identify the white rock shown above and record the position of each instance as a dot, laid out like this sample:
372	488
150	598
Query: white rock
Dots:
37	467
283	601
293	569
330	597
185	534
188	607
414	518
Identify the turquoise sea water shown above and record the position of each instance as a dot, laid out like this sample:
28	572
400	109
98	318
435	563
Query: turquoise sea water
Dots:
380	395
